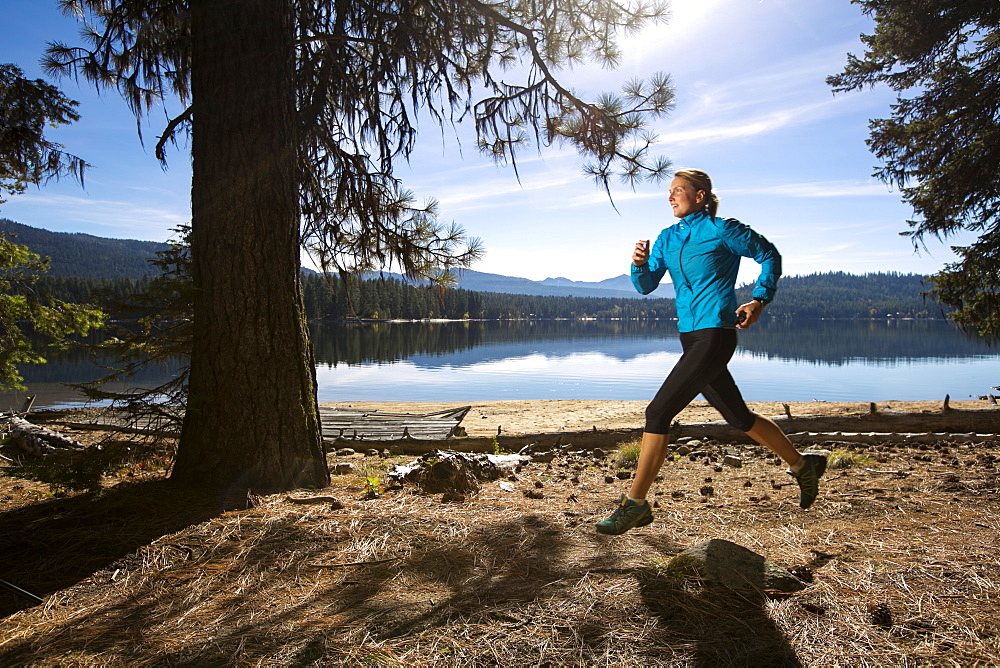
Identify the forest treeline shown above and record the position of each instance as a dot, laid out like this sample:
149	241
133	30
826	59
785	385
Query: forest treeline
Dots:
835	295
84	255
829	295
840	295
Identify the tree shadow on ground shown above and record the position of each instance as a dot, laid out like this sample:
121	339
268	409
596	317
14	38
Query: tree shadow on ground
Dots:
282	585
53	544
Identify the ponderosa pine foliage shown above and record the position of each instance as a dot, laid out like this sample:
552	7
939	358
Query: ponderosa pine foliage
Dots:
29	107
299	113
941	146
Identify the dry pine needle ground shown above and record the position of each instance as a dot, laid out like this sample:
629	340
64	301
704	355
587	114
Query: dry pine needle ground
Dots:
903	553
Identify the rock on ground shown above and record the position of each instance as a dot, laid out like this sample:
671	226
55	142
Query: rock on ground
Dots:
726	563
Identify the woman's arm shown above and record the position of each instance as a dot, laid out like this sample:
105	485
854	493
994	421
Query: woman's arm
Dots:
744	241
648	266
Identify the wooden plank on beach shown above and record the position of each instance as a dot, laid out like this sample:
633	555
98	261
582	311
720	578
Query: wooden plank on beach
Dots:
335	423
347	424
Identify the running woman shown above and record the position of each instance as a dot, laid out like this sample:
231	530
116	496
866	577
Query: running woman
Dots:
702	252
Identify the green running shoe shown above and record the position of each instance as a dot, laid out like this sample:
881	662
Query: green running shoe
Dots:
808	478
627	515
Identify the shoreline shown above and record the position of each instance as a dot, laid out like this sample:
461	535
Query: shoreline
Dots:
544	416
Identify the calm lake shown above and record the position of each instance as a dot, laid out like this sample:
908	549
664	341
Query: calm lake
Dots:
480	361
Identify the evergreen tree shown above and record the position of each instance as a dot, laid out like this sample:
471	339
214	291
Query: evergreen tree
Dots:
299	111
941	145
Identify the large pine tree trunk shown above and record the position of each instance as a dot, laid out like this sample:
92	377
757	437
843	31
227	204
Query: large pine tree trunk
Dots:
252	420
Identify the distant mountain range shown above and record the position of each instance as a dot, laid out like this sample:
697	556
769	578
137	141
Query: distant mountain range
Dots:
618	287
87	256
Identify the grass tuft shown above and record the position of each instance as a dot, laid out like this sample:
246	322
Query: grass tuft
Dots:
842	458
627	456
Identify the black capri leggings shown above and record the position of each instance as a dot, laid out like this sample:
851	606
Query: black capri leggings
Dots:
701	370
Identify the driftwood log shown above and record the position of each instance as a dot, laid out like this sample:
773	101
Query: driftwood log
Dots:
870	426
873	437
39	441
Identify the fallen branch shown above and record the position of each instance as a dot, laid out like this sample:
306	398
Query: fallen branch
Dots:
334	502
356	563
312	499
957	425
21	593
901	474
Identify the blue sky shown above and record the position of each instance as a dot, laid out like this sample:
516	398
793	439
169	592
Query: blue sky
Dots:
753	110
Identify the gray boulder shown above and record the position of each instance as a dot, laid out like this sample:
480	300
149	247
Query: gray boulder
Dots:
726	563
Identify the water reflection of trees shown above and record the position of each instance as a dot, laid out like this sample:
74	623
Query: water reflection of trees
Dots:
833	343
839	342
386	342
80	364
823	341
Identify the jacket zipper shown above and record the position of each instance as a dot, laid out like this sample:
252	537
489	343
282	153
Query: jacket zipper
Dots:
680	258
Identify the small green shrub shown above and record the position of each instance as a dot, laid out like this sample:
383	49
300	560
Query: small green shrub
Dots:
373	488
86	470
371	474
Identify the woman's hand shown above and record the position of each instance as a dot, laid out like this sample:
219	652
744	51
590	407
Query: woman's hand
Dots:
747	314
641	254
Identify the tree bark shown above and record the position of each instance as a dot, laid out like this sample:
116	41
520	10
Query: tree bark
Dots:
252	419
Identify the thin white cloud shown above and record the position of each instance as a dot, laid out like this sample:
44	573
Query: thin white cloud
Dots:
103	217
729	115
599	197
726	130
839	248
818	189
781	94
480	193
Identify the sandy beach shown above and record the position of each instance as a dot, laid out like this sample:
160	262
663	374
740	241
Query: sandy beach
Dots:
546	416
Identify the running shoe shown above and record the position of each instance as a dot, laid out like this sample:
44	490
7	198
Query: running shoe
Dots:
627	515
808	478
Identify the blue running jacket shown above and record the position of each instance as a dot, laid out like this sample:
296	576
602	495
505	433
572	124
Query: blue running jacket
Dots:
703	254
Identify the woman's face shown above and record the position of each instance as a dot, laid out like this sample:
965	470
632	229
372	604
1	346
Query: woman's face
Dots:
684	199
